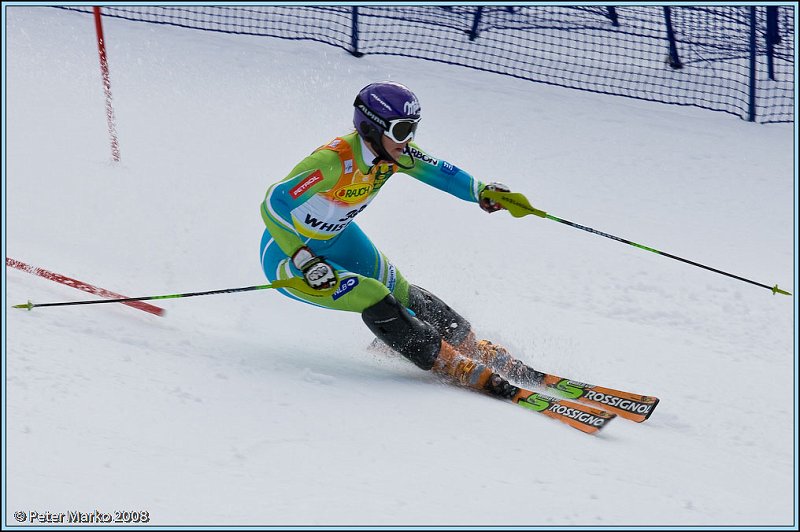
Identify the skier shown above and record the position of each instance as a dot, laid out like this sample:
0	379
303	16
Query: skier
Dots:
311	233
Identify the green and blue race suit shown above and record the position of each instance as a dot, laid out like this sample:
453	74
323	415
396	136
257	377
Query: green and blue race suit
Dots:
316	205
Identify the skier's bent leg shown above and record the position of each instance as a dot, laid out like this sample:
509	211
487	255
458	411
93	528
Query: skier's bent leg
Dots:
415	339
421	343
453	327
457	331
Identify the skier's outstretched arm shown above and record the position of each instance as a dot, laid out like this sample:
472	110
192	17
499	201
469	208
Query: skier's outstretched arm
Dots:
448	177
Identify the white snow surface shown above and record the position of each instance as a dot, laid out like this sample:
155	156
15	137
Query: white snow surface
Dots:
254	409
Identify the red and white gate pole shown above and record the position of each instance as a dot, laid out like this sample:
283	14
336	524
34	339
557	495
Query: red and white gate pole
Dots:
101	47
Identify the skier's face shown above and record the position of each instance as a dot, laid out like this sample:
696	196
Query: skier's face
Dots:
395	149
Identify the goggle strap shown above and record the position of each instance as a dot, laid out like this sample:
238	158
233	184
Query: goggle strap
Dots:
362	106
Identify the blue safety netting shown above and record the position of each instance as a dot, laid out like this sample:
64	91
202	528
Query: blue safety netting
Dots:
736	59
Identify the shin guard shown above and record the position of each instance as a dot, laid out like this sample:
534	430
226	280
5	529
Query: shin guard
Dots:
450	324
415	339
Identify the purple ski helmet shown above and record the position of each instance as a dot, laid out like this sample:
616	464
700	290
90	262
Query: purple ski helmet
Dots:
378	104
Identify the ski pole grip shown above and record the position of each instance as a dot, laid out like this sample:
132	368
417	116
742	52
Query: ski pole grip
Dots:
297	283
514	202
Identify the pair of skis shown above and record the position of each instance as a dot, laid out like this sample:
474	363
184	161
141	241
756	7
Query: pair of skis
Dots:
586	407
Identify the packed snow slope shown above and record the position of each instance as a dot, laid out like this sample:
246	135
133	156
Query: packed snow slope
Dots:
253	409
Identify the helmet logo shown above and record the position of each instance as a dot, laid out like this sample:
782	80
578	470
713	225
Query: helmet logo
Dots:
386	105
411	108
372	116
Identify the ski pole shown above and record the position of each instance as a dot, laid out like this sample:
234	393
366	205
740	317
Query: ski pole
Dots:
519	206
295	283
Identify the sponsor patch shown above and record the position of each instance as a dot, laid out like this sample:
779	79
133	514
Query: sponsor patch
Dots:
354	193
448	168
306	184
345	285
392	278
382	174
422	156
324	226
348	166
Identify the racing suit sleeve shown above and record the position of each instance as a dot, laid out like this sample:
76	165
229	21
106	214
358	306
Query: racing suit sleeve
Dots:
443	175
318	172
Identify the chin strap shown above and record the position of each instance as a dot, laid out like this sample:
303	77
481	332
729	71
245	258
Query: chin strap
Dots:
404	167
383	155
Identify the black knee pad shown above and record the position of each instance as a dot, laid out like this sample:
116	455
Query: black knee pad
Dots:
429	308
394	325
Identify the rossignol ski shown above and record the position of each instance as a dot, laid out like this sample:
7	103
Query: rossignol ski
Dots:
582	417
631	406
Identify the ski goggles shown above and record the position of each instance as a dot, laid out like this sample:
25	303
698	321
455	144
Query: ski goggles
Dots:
402	130
399	130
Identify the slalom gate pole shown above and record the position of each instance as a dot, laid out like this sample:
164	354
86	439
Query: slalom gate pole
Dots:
295	283
101	48
519	206
81	285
